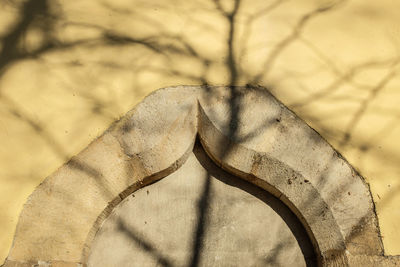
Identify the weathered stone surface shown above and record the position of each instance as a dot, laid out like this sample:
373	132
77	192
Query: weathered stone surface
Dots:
246	131
241	224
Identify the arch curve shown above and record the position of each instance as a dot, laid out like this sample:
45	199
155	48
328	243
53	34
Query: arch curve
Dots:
246	131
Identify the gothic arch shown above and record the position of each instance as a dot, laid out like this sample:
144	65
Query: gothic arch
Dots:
245	131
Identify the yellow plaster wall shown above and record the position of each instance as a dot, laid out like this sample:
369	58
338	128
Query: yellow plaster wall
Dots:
70	68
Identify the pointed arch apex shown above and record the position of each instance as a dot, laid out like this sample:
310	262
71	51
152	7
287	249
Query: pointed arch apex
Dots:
246	131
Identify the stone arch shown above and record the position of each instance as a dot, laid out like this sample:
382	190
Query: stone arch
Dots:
246	131
201	215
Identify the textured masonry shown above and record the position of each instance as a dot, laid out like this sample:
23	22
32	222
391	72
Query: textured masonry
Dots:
246	132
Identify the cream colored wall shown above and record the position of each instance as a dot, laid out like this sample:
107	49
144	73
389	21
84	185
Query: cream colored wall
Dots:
70	68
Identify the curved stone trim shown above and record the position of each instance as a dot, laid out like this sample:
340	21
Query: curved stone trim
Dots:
244	130
283	182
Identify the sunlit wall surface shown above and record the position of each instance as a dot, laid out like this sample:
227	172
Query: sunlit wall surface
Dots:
70	68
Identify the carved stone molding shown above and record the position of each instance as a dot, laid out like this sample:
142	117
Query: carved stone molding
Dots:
245	131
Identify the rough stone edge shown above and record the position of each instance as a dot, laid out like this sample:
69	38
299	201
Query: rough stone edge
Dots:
332	253
127	192
351	167
354	170
144	180
359	258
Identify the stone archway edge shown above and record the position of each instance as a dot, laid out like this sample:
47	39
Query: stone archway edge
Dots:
244	130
